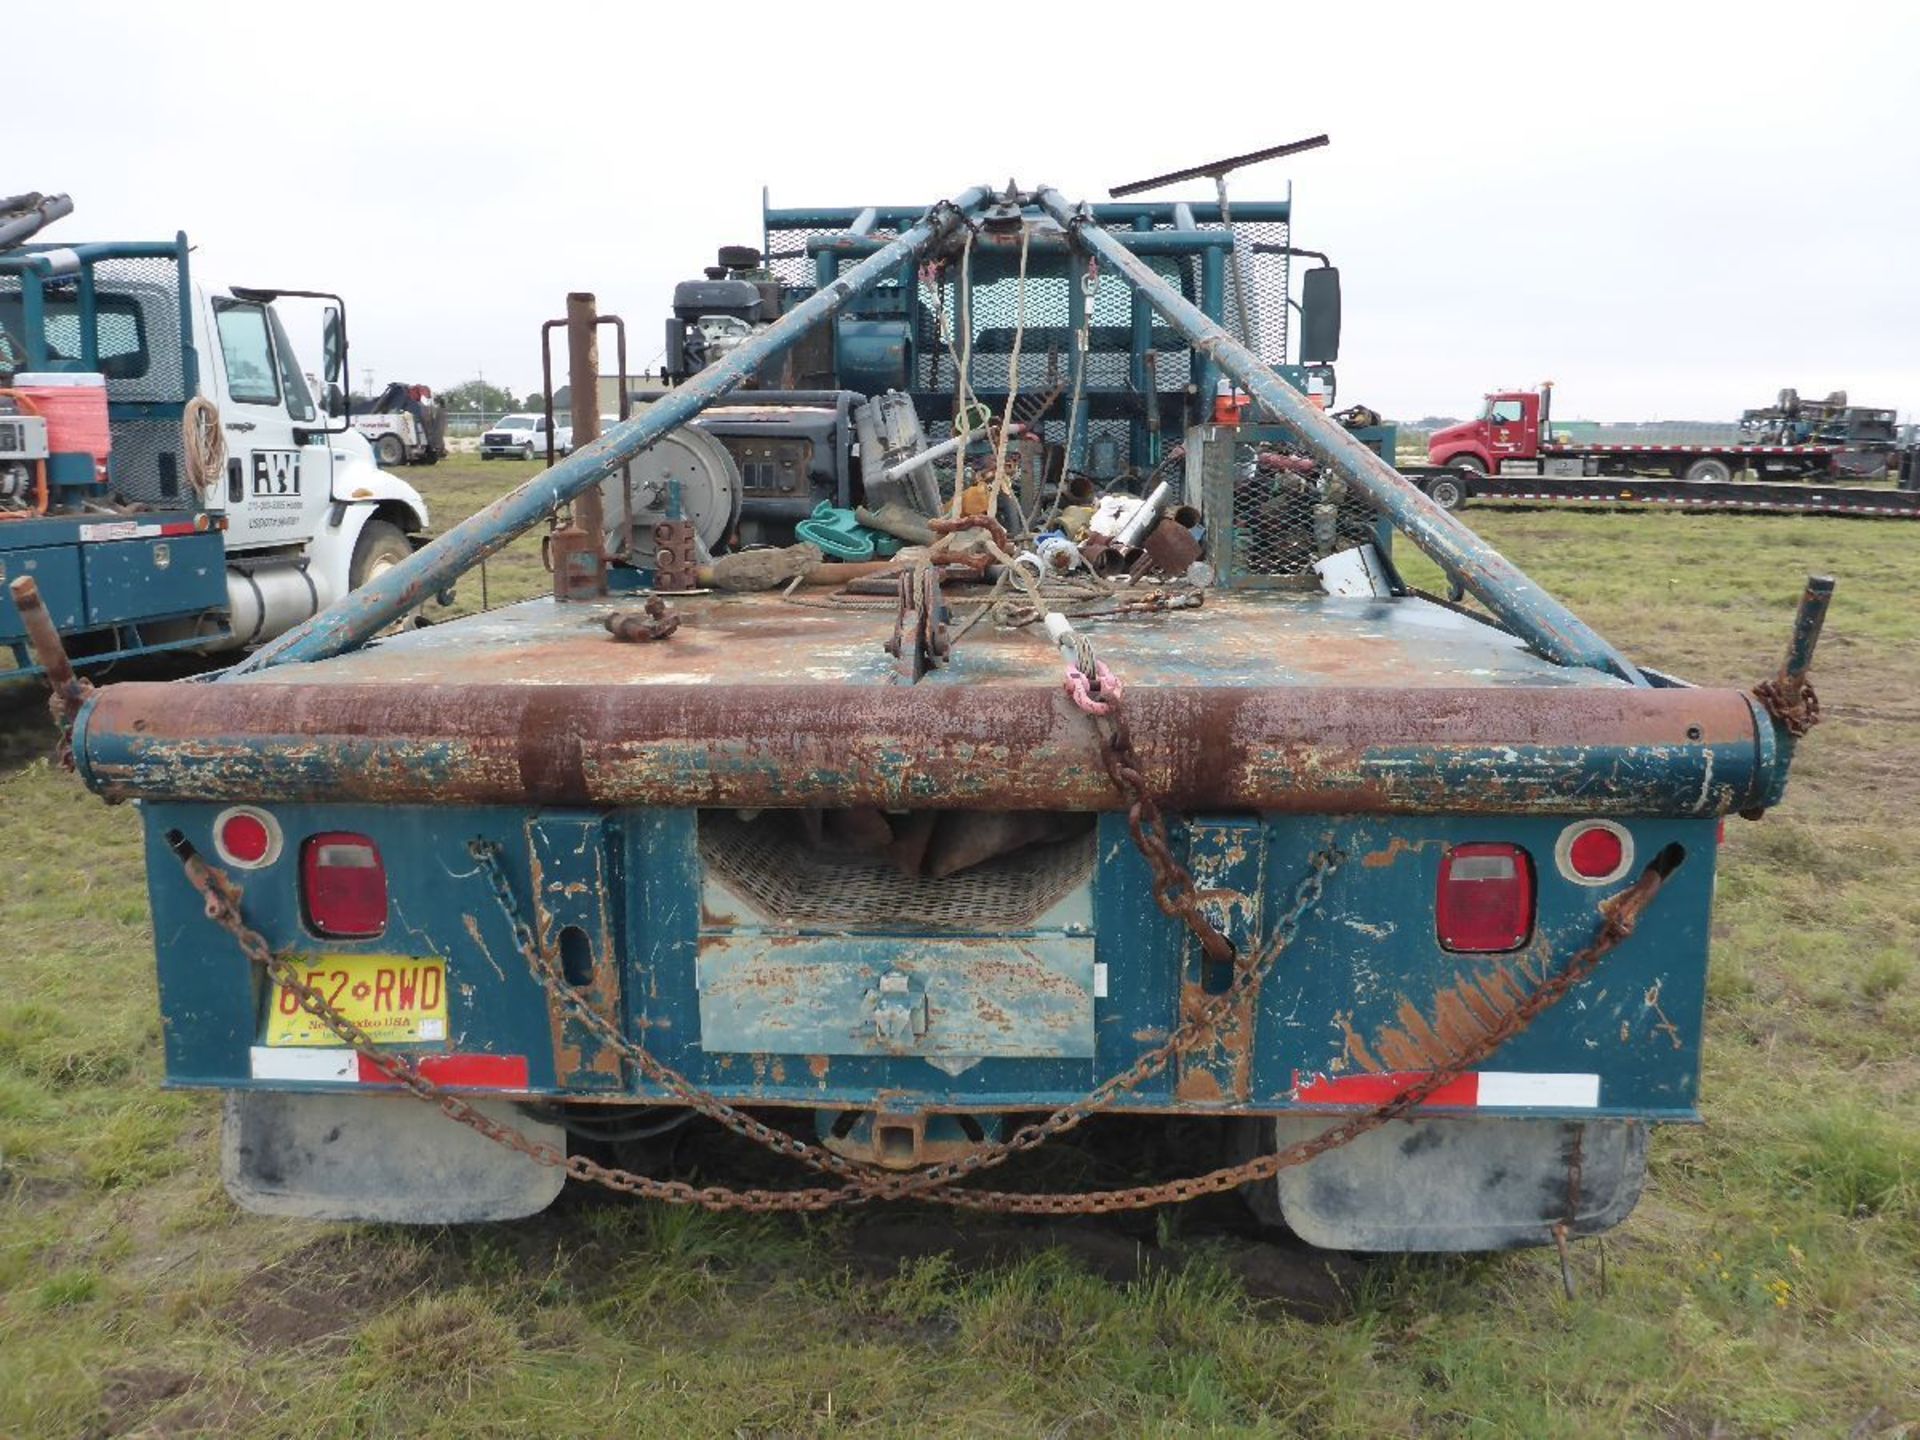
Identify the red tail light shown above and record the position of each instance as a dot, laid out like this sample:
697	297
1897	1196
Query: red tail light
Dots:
344	883
1485	903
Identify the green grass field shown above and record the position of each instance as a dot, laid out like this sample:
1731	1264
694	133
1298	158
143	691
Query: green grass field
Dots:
1769	1283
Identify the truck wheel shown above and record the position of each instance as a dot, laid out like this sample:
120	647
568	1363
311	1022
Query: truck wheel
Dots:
526	451
1469	464
1710	469
382	545
1447	492
392	451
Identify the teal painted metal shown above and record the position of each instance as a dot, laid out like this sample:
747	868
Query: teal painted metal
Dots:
929	997
38	264
132	581
1364	960
360	616
1489	576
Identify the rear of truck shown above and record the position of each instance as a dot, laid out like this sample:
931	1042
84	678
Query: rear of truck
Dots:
1409	899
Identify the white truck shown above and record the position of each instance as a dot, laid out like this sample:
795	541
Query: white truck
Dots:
221	503
523	436
404	424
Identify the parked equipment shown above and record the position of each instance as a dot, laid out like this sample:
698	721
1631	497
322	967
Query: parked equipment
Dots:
166	476
1148	785
1803	457
405	425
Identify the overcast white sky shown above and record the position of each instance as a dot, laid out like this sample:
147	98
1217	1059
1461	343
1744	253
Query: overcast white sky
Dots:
1672	210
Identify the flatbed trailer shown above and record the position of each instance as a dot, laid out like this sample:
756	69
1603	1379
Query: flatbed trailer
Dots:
1406	903
1452	488
1511	451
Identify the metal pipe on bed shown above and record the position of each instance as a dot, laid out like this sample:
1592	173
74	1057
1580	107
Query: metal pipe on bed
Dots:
1490	577
358	617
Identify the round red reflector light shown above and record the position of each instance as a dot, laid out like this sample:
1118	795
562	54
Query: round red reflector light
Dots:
1594	852
246	837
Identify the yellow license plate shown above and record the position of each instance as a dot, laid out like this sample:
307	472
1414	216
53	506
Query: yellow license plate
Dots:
397	999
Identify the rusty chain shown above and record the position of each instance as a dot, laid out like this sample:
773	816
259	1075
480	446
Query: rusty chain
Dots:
1173	888
1620	914
223	900
930	1180
1791	701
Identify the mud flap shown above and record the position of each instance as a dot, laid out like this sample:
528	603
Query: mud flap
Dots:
378	1157
1466	1183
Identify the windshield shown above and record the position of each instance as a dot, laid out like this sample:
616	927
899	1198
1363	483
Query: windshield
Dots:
515	422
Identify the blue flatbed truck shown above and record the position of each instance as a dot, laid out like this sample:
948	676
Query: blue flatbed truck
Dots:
1410	899
224	503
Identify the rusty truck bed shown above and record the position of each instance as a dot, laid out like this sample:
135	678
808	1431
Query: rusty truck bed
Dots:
1268	701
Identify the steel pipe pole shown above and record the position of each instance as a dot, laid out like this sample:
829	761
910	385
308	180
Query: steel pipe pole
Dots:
1522	605
356	618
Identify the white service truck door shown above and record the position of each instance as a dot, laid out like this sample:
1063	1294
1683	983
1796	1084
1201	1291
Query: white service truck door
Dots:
280	487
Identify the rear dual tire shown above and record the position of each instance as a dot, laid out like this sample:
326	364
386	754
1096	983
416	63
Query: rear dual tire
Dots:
1447	491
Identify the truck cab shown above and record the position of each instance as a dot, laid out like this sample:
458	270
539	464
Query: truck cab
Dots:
209	499
1507	428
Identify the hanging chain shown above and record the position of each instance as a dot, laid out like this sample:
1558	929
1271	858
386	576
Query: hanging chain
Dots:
1095	691
1199	1025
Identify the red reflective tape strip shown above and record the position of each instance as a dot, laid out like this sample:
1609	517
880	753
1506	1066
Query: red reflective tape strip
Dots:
1499	1089
481	1072
1379	1089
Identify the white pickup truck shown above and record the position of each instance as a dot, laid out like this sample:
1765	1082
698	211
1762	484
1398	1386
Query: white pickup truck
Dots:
524	436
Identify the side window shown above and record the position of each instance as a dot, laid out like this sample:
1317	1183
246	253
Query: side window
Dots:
1506	412
252	378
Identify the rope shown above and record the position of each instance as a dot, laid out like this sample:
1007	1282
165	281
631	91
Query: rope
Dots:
203	442
963	399
1000	485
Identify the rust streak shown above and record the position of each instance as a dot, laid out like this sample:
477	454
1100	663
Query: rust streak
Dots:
1357	1048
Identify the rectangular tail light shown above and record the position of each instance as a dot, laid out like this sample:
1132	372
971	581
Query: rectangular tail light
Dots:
344	886
1485	900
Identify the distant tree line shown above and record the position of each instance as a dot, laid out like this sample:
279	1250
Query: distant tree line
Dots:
490	399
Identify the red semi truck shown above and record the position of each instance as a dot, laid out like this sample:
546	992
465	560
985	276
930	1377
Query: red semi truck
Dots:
1510	450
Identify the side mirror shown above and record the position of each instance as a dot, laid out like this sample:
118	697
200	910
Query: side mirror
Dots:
1320	315
336	400
333	347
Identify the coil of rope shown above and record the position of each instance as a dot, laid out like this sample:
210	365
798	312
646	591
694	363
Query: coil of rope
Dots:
203	442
